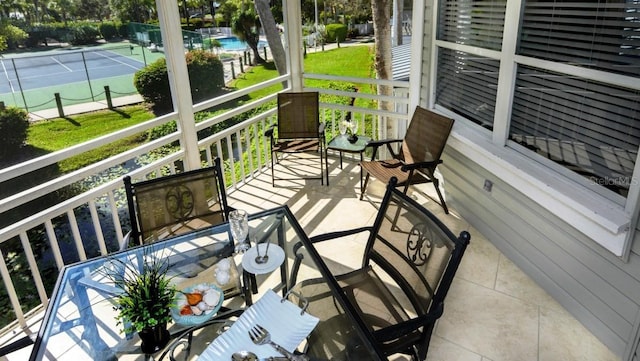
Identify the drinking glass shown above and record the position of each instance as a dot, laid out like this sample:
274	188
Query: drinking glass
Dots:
343	127
354	127
239	225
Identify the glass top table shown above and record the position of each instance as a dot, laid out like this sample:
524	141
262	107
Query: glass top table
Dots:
80	320
342	144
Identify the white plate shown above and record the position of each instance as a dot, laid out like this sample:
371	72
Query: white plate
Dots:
283	320
276	257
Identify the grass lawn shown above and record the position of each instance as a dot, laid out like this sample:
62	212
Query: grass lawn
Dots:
60	133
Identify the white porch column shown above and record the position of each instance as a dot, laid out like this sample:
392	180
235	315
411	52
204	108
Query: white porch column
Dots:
293	45
415	70
174	52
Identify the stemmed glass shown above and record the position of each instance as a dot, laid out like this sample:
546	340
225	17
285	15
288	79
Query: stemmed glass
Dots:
353	126
343	127
239	225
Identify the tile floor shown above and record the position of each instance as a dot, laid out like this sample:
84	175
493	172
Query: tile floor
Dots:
493	312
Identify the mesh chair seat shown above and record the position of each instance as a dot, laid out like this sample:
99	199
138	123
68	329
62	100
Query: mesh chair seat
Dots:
387	169
297	145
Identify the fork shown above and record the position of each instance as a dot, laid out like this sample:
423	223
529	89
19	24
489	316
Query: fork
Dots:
260	336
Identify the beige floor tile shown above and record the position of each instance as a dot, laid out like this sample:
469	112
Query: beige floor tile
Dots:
489	323
513	282
562	337
480	262
443	350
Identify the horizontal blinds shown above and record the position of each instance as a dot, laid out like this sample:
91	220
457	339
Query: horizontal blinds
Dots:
588	127
473	23
467	85
601	35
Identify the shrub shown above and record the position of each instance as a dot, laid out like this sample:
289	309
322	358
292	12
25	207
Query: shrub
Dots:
14	123
108	31
83	34
152	82
123	30
336	30
205	74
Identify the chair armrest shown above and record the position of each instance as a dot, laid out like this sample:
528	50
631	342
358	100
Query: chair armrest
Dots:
269	131
338	234
413	166
375	144
321	128
319	238
17	345
400	329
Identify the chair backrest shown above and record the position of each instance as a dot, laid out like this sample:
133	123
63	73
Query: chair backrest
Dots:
298	115
417	251
426	136
167	206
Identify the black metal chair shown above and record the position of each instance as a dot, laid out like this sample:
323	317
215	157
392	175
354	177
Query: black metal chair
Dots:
179	203
298	131
419	154
408	264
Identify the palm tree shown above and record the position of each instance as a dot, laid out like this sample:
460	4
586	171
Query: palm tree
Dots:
381	12
246	26
273	35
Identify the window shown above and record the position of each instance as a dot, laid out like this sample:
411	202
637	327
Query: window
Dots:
467	84
600	35
474	23
590	127
564	104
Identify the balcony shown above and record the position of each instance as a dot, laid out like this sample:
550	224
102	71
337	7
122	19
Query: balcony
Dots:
493	311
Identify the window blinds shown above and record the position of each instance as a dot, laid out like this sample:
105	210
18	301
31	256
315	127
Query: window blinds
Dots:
602	35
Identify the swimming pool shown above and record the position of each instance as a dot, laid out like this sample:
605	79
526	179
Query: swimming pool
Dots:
234	44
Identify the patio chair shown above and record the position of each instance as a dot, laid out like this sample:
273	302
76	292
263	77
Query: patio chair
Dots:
298	131
179	203
419	153
408	264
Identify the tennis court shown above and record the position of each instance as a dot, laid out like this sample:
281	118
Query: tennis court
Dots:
62	68
76	74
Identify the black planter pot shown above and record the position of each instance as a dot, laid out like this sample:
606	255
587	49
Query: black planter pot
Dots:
154	339
352	138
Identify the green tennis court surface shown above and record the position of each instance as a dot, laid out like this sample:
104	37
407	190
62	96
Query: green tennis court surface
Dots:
77	74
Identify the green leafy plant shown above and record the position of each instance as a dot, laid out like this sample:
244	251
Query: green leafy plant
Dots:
147	293
336	32
206	76
14	123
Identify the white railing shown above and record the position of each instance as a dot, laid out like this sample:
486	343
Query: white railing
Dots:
93	223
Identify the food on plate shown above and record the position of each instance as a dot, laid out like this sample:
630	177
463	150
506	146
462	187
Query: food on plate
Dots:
198	301
193	298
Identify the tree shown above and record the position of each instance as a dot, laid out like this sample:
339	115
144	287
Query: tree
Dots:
10	34
273	35
91	9
246	26
381	11
133	10
7	7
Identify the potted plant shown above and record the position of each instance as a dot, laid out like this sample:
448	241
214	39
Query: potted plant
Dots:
145	298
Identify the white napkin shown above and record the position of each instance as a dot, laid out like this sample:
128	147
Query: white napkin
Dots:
287	326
